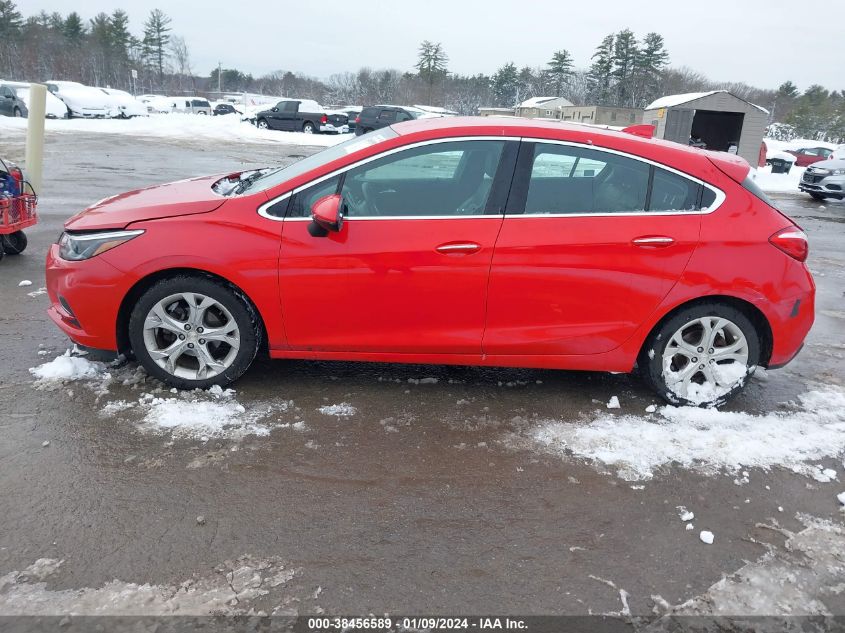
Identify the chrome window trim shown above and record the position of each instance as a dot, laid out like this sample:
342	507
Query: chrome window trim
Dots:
719	200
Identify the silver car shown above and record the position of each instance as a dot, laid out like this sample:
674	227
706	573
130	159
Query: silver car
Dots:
825	179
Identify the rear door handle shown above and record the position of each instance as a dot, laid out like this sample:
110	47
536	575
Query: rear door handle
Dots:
653	241
458	248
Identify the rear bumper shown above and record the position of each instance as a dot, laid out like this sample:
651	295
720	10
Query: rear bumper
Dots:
328	127
85	299
790	321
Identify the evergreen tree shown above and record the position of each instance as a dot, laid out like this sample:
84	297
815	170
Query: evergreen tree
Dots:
560	69
600	75
156	39
505	85
624	59
73	28
10	21
431	64
651	61
120	37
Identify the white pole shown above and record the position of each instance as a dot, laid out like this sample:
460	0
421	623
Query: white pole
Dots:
35	134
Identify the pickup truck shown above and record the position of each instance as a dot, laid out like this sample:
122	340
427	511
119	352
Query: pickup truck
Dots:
302	115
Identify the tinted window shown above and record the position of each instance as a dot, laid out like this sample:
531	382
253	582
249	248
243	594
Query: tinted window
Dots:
302	201
439	179
671	192
387	116
403	116
578	180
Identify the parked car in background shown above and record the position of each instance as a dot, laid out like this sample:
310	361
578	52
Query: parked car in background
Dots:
825	179
193	105
158	104
81	101
351	113
809	155
54	108
379	116
11	103
221	109
123	104
301	115
458	240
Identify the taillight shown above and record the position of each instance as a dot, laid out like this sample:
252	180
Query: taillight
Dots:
324	119
358	119
792	241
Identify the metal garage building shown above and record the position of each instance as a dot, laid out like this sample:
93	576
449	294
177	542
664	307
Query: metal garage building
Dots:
719	119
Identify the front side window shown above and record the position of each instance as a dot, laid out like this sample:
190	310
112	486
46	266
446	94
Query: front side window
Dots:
387	116
443	179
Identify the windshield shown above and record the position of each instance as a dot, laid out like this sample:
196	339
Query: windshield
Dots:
278	175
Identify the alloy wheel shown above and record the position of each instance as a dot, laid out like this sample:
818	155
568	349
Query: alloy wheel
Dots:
191	335
705	359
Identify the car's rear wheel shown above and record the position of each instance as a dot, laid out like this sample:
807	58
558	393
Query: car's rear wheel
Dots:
262	124
14	243
701	356
194	332
308	127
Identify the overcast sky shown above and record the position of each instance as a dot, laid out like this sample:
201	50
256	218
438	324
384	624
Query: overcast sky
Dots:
761	42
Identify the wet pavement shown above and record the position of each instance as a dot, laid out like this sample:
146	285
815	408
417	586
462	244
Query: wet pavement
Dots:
428	499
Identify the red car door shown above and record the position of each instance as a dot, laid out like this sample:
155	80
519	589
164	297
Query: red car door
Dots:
408	271
591	243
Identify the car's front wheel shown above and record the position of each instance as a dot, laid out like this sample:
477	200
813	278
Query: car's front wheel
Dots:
194	332
817	196
262	124
701	356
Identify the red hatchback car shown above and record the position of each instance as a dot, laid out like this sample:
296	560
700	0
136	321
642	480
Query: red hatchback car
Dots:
474	241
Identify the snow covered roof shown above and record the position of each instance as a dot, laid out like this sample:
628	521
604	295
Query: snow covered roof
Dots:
675	100
533	102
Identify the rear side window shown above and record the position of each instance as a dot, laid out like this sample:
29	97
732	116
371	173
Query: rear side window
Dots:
575	180
387	116
369	113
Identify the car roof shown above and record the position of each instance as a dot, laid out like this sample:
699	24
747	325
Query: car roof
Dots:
666	152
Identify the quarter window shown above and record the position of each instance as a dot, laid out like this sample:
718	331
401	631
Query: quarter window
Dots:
671	192
451	179
302	202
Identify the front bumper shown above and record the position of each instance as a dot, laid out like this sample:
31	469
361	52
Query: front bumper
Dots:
833	186
85	298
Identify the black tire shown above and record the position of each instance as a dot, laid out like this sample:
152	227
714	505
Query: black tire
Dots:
14	243
817	196
309	126
17	112
245	316
650	361
262	124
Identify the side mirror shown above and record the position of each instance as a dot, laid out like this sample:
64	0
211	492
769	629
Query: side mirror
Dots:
274	109
327	212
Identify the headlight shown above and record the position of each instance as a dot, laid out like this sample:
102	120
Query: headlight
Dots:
838	172
78	246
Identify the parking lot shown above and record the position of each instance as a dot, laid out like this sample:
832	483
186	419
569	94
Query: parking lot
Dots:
370	488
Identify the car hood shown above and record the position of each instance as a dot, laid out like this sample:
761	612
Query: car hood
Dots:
184	197
831	164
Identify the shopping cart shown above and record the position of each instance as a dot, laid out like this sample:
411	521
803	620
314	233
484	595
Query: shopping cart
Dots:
17	209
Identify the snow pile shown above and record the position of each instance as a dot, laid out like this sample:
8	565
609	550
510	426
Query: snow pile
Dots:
342	410
180	126
66	368
705	440
229	591
777	183
794	581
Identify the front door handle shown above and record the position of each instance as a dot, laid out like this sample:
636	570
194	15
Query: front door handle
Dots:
653	241
458	248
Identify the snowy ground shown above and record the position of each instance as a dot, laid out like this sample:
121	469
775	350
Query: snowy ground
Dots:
179	126
404	488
